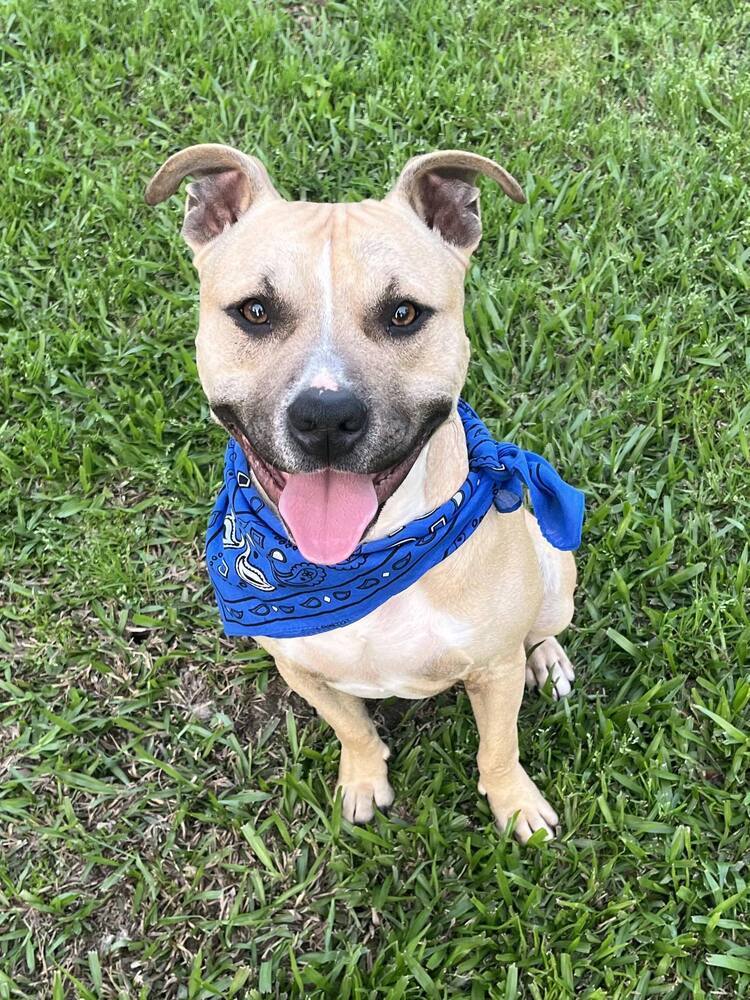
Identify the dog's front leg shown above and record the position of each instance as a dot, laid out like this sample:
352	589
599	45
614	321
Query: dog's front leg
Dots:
495	696
363	773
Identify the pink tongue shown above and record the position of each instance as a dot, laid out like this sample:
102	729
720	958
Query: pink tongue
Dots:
327	512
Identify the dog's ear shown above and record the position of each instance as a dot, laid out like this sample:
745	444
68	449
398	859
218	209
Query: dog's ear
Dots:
440	188
228	183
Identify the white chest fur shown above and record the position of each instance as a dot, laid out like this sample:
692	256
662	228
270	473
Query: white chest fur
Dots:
407	648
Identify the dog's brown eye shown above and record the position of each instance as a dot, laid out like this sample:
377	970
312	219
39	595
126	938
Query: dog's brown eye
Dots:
404	314
254	312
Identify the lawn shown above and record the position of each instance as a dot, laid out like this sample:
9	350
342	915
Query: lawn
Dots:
167	826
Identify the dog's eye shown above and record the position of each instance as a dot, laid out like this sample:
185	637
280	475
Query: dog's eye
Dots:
405	319
404	314
254	312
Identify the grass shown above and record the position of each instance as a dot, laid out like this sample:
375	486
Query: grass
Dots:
166	823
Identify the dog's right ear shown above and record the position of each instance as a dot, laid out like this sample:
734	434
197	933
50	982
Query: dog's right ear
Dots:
440	188
229	182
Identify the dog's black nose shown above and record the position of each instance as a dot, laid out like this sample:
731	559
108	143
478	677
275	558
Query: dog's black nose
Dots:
327	423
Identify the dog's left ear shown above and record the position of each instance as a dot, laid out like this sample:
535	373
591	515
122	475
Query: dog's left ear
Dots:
440	188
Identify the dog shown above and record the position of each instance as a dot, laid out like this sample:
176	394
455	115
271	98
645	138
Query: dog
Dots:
331	344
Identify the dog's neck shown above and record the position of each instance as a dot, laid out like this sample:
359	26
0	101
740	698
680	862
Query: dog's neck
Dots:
438	472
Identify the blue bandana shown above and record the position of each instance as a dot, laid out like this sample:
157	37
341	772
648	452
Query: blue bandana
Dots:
265	588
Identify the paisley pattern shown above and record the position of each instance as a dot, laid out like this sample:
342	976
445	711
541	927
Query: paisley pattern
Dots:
265	588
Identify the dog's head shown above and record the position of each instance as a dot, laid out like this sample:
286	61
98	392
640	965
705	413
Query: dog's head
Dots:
331	342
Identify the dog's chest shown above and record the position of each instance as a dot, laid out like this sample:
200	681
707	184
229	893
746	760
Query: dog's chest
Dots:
408	648
470	610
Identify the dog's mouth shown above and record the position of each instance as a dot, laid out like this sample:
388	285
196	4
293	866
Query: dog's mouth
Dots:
327	513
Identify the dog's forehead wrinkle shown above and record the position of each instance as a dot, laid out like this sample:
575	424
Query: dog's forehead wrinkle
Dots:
407	263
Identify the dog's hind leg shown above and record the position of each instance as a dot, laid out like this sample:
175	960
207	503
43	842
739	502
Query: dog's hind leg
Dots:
546	656
363	773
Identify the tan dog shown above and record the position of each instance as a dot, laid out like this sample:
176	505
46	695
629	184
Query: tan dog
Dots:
331	341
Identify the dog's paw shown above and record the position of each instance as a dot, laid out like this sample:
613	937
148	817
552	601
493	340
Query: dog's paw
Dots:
363	780
517	795
359	800
549	659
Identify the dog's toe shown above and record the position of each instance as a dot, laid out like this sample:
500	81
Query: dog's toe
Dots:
561	686
519	802
360	798
527	825
549	660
